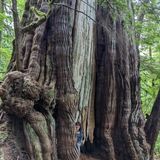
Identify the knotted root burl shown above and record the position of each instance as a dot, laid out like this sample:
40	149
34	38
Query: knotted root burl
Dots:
19	94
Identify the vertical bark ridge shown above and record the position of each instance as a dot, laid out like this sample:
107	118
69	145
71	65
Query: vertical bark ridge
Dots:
9	149
34	65
38	123
66	93
125	97
105	81
27	50
137	118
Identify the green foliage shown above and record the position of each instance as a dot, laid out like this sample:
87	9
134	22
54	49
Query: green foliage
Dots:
150	56
157	147
6	29
2	17
7	34
149	42
117	6
150	83
4	60
20	5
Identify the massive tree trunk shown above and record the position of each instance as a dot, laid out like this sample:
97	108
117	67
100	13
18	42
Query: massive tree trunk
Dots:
54	85
68	71
119	127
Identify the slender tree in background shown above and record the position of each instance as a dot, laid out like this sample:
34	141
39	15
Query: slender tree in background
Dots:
65	67
1	12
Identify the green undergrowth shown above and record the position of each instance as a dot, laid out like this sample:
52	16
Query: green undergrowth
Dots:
150	84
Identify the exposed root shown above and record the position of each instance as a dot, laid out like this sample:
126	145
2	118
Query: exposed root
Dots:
19	94
66	128
38	123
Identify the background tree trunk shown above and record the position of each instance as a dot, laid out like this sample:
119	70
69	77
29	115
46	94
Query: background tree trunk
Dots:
69	72
152	125
1	11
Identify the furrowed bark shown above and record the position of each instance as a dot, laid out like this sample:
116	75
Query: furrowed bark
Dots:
47	80
71	80
105	81
120	131
152	125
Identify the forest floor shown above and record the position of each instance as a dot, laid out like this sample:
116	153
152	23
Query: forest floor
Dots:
89	157
157	158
